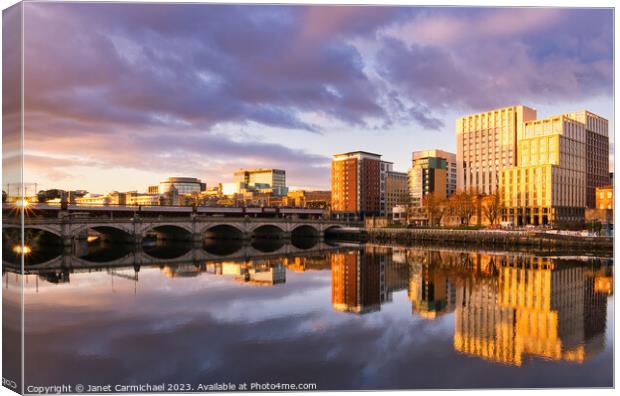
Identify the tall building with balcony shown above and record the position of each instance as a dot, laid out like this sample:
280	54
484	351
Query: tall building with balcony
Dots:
274	179
548	182
487	143
597	152
358	185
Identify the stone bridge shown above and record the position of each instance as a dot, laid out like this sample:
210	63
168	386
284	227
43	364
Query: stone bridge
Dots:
195	228
139	258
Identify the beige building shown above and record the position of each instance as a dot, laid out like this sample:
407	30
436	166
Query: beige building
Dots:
597	152
548	183
486	144
142	199
274	179
396	191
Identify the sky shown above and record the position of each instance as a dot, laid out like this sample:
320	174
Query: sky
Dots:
121	96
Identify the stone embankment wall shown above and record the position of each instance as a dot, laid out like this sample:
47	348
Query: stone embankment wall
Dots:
483	238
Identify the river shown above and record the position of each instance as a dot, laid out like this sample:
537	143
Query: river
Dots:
333	315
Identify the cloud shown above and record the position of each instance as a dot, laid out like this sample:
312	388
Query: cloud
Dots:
495	58
132	85
162	65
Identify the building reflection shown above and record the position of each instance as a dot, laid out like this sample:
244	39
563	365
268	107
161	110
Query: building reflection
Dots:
507	307
363	279
431	292
535	307
263	272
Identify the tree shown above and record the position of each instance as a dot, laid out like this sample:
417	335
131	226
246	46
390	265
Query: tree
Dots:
462	204
435	207
492	207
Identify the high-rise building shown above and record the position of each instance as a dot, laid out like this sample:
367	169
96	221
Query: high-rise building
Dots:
450	158
275	179
548	182
597	152
428	174
486	144
396	190
357	181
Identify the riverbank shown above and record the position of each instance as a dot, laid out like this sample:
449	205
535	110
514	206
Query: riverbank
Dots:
502	239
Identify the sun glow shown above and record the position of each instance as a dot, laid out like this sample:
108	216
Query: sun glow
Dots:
19	249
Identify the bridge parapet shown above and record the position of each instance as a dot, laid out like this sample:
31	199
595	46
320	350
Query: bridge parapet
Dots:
136	228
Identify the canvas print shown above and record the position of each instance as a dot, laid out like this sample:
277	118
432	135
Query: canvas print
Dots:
297	197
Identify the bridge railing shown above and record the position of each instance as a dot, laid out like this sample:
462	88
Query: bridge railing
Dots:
86	220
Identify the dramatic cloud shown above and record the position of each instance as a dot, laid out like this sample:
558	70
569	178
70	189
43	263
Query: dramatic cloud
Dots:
493	58
127	85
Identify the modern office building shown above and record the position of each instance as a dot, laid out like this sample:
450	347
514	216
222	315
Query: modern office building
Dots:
396	191
548	182
597	152
428	174
183	185
450	158
487	143
358	185
274	179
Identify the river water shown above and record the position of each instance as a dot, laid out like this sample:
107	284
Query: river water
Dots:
337	315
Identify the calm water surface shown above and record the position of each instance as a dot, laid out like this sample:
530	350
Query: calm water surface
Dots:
341	316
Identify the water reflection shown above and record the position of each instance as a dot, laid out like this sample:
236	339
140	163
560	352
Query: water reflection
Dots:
498	308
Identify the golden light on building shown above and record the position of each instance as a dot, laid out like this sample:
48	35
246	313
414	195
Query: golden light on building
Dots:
486	144
548	182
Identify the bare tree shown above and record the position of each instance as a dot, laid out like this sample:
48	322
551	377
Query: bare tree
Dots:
463	205
435	207
492	207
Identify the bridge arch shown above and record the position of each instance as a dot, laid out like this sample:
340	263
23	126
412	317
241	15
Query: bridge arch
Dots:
33	236
222	231
332	227
173	232
269	231
109	232
305	231
50	229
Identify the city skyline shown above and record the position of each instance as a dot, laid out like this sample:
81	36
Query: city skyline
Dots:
202	90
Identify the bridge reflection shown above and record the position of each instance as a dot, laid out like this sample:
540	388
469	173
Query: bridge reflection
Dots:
506	307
